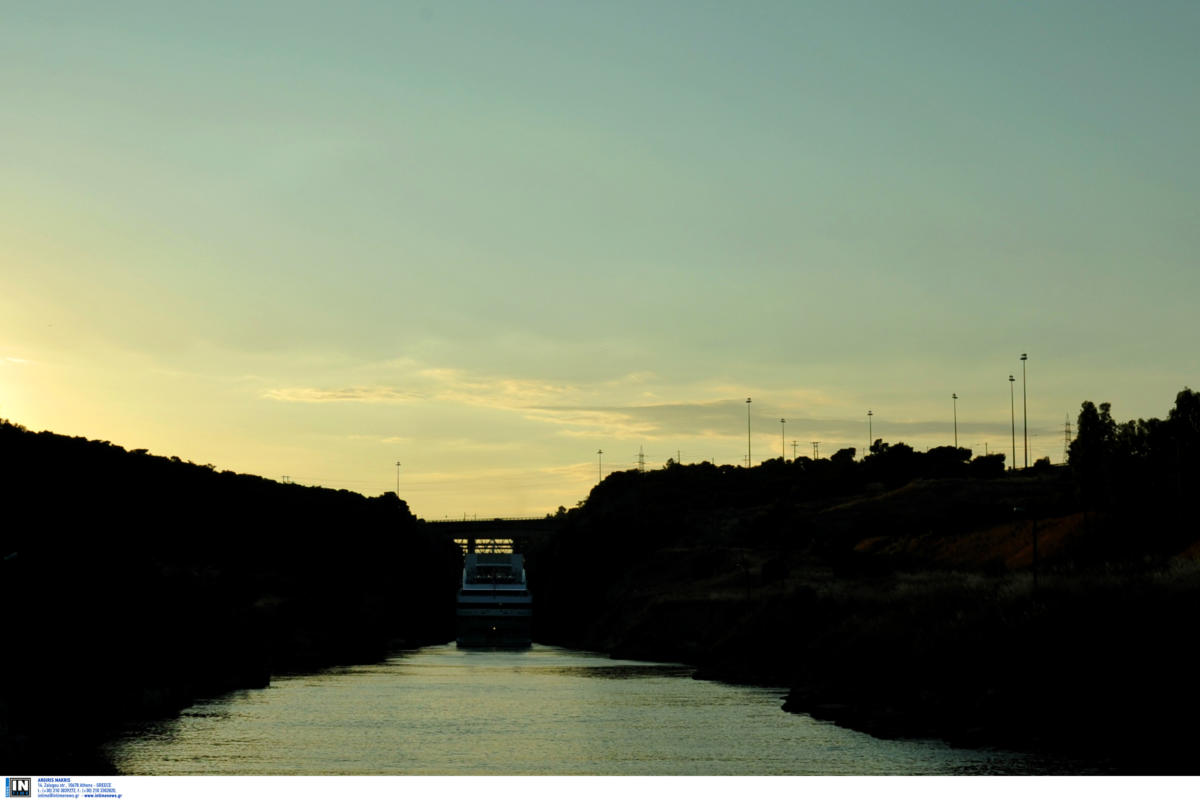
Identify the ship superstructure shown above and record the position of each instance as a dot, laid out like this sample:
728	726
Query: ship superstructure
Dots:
495	608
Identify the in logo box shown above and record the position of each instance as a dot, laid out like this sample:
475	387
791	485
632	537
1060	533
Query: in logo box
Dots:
17	787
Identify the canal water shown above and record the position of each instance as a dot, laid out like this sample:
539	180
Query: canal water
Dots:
543	711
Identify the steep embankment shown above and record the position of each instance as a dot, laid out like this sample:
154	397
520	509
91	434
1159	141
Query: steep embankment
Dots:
142	582
905	611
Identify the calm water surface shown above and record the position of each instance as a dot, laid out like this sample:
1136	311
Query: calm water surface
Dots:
547	710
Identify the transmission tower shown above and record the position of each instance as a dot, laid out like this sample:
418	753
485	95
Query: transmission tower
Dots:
641	460
1067	439
815	451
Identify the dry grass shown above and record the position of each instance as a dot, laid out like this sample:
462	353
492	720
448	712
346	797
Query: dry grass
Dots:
1009	544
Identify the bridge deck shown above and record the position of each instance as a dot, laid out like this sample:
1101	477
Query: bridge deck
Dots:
481	535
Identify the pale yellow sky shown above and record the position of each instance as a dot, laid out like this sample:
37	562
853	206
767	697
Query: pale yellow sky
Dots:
490	240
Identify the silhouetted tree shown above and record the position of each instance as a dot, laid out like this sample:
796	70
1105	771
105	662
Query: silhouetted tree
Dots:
988	466
1090	455
844	456
891	463
945	462
1138	461
1181	454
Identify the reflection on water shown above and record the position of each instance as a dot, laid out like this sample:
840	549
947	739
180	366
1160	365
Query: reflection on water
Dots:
611	670
546	710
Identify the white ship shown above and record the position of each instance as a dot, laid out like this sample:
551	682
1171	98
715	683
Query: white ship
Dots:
495	608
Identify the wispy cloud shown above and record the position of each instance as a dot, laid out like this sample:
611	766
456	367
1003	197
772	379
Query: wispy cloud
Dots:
442	385
644	421
15	360
617	423
354	394
363	437
456	386
636	405
726	419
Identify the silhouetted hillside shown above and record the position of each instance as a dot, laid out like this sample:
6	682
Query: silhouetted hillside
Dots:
898	594
135	583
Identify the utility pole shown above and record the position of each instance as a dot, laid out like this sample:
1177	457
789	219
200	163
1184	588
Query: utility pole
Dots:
794	443
1012	410
397	479
816	451
1025	408
748	462
782	443
599	465
955	397
870	434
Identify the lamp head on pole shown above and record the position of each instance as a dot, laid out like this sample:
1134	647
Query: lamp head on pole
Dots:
1011	379
1024	356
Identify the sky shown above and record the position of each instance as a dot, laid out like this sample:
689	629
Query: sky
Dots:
487	240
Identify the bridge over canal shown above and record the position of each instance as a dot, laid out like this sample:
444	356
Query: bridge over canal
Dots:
483	535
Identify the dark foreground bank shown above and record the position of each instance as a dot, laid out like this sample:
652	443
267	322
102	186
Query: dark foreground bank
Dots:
154	581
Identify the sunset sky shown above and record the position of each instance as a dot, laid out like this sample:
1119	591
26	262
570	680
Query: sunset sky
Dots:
489	239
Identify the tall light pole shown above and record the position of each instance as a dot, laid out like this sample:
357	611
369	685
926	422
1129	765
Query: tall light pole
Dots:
599	465
955	397
397	479
782	442
1013	415
870	434
748	433
1025	408
794	443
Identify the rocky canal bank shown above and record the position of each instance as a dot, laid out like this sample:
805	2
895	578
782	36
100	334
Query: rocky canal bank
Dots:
907	612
